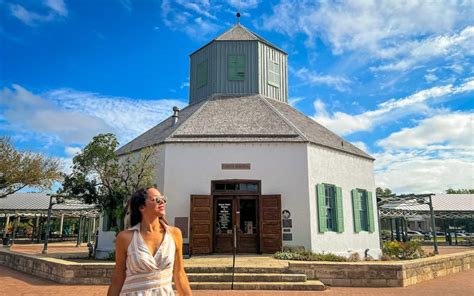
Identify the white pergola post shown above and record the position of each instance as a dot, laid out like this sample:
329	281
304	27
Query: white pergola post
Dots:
61	226
6	225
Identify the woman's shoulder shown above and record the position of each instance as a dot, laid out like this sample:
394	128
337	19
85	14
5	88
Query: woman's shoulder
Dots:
125	236
175	231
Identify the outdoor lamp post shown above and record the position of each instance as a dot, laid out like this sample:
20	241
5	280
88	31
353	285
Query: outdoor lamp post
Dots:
426	199
59	199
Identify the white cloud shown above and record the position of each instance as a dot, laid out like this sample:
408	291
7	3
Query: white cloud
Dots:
413	53
430	77
245	4
309	77
57	9
436	154
74	117
295	100
194	18
454	128
406	33
72	151
391	110
58	6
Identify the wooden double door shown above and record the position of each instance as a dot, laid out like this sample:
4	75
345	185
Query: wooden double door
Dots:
257	219
241	212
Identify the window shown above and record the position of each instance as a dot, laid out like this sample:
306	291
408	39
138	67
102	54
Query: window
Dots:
330	194
236	187
273	73
330	210
362	210
236	67
202	74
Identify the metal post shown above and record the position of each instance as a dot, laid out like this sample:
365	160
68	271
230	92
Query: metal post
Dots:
391	229
79	239
48	223
397	228
234	248
61	226
379	226
435	241
7	221
93	227
15	227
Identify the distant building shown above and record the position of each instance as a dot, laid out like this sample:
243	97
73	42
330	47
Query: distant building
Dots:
240	155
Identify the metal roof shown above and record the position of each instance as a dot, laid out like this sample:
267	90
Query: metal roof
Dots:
240	33
246	118
34	203
444	206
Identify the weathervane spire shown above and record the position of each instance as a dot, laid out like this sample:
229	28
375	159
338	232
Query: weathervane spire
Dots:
238	13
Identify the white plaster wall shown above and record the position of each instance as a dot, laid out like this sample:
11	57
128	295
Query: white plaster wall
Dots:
106	241
282	168
348	172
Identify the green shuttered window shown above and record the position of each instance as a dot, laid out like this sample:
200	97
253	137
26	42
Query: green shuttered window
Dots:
330	208
362	206
236	67
202	74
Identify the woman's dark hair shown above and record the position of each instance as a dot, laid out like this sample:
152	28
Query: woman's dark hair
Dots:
137	200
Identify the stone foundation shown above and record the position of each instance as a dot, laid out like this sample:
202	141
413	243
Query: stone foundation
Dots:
386	273
342	274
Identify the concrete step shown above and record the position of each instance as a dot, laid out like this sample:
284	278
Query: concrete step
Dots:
226	269
298	286
246	277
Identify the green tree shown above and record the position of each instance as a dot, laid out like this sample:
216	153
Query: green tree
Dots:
20	169
383	192
99	176
460	191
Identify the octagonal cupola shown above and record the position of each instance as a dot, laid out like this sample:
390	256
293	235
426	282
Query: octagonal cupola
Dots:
238	62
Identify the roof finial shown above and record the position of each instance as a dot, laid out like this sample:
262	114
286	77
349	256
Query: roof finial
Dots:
238	13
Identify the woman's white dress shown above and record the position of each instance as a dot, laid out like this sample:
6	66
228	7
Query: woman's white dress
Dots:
147	274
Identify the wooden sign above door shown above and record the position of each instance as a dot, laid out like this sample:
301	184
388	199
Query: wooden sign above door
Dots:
236	166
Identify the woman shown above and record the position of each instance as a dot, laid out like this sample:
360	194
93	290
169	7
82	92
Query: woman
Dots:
149	254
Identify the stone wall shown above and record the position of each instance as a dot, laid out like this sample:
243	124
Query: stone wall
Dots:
58	270
342	274
384	274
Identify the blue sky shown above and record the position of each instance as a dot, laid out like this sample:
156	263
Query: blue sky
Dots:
395	78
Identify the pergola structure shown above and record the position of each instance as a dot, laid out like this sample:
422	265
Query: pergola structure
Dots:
38	205
442	206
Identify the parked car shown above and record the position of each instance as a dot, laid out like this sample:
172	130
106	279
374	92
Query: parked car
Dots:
415	234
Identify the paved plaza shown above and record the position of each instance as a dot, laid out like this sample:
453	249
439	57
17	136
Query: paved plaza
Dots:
16	283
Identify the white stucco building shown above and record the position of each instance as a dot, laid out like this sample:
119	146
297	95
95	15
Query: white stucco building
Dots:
240	155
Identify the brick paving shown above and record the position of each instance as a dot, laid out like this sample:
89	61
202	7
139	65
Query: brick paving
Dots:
14	283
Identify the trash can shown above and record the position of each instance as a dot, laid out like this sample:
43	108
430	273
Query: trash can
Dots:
6	241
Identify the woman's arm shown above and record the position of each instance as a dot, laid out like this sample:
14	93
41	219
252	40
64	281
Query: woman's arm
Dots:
121	244
179	275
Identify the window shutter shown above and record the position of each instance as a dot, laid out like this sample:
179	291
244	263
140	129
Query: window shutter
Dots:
236	67
321	198
340	210
356	210
370	212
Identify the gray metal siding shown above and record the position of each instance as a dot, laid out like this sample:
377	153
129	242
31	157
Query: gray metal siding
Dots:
195	93
249	50
265	53
216	54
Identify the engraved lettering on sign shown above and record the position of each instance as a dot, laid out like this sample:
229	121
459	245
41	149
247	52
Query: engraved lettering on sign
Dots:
236	166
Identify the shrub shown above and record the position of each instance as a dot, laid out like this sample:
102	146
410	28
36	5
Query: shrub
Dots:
110	256
354	257
303	255
403	251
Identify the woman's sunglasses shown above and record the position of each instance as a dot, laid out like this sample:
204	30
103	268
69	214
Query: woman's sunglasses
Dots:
160	199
